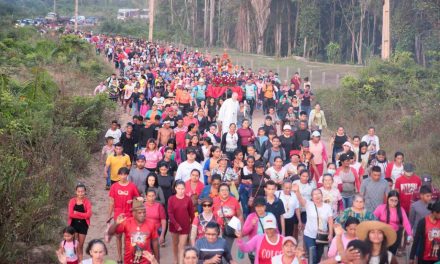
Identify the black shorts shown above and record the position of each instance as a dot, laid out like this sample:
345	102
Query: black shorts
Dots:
303	218
80	226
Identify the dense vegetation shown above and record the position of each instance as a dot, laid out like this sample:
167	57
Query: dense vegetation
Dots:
46	137
325	30
400	98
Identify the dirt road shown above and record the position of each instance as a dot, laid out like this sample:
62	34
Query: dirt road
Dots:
98	196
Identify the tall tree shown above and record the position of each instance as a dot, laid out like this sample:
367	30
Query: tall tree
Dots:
262	11
211	22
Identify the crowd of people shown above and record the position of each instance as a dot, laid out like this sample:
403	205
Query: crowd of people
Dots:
193	168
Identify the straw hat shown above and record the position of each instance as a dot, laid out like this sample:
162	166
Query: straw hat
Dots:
364	227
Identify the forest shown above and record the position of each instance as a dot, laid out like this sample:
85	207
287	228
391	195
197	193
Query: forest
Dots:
337	31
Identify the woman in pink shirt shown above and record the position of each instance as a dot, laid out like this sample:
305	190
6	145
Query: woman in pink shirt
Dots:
392	214
152	155
317	148
341	239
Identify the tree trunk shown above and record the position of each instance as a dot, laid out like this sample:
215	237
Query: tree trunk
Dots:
151	24
172	11
75	26
305	47
333	21
262	11
289	41
295	33
211	23
219	19
205	24
194	20
373	50
277	31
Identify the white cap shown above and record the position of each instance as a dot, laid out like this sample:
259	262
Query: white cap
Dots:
269	221
316	133
286	126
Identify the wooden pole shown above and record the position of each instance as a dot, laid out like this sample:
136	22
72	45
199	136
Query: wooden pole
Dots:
75	27
151	17
386	36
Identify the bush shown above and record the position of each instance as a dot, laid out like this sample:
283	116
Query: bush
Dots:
46	139
401	99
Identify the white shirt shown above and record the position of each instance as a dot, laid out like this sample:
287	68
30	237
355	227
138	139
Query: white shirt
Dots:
325	211
305	190
331	197
231	141
184	171
372	140
116	134
278	259
396	172
290	203
276	175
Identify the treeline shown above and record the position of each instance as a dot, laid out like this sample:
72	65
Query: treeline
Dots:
325	30
333	30
46	137
401	99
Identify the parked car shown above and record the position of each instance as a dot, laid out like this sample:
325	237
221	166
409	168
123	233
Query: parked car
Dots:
51	17
81	20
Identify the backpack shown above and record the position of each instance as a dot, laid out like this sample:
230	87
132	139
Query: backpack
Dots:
282	154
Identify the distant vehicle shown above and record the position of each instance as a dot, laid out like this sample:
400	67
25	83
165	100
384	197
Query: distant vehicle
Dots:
81	20
24	22
51	17
91	20
126	14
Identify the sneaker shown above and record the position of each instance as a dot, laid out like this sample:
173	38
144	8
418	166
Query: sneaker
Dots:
107	187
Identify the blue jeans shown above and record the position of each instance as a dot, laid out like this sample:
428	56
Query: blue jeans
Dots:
244	198
315	250
347	201
307	109
108	182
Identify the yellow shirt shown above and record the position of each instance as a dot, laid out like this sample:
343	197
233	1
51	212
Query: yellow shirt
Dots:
115	163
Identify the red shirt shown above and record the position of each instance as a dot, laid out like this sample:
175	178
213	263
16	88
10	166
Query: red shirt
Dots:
121	195
188	121
137	236
269	250
198	190
155	213
230	208
246	136
181	214
406	187
432	237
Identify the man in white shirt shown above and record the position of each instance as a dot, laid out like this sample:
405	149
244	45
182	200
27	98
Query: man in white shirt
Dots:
184	170
114	132
291	206
372	140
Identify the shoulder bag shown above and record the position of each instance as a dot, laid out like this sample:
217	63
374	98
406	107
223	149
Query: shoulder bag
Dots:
227	230
321	236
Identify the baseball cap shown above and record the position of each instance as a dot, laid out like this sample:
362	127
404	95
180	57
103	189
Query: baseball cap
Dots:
291	239
426	179
408	167
305	144
141	157
206	200
316	134
287	127
269	221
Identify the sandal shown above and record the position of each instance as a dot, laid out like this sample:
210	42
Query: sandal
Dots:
120	262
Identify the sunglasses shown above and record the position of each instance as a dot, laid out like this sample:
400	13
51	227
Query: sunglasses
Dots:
207	205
